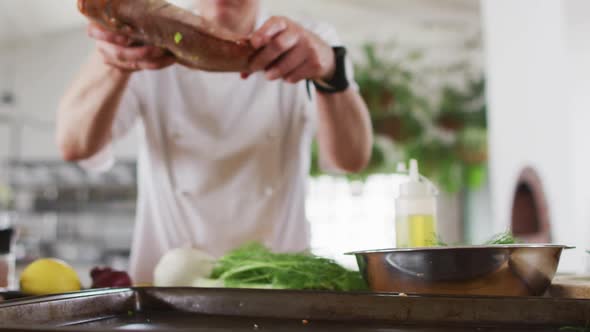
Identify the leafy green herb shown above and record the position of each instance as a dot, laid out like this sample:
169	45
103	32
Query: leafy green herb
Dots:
498	239
503	238
254	266
178	38
439	242
575	329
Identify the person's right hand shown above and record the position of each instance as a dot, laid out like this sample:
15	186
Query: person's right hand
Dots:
117	50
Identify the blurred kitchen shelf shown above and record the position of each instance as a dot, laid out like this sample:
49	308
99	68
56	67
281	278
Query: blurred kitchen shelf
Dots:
65	212
56	186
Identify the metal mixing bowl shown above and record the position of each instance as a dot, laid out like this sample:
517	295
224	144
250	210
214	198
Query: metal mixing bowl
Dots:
498	270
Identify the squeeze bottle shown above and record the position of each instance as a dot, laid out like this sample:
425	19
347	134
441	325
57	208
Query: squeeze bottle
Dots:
415	210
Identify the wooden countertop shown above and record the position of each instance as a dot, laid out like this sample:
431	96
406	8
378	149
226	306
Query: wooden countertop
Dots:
577	287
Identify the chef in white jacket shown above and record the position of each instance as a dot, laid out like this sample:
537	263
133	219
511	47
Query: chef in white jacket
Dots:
223	157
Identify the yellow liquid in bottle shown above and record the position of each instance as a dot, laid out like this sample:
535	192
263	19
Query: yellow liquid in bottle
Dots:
415	231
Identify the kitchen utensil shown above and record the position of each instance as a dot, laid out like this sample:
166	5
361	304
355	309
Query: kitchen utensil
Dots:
497	270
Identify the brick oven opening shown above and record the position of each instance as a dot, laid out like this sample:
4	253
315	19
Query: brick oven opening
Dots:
530	217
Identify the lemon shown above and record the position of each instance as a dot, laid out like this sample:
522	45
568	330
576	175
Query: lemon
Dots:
49	276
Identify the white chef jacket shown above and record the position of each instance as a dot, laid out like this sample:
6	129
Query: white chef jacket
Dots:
222	161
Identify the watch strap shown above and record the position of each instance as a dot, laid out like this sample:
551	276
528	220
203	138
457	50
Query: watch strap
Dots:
339	82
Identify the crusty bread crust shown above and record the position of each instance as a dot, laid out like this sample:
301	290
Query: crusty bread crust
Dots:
195	41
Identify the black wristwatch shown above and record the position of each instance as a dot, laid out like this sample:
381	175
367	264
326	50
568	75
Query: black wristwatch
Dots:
339	81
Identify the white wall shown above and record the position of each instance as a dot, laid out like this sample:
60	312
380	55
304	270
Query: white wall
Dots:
578	73
40	71
537	77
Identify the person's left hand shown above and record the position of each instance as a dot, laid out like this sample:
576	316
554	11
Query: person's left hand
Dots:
288	51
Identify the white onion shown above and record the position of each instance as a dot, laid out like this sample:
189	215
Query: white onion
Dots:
181	267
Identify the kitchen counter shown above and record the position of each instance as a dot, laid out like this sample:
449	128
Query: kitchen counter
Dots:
575	287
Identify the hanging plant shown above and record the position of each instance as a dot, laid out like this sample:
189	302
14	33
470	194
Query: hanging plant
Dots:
448	139
438	162
386	87
461	108
472	145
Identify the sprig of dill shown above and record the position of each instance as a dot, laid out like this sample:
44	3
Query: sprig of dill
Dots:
254	266
575	329
503	238
498	239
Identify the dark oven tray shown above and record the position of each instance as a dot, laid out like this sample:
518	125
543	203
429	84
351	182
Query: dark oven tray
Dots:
11	295
194	309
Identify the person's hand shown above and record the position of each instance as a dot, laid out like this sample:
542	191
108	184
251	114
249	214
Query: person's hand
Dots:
288	51
118	50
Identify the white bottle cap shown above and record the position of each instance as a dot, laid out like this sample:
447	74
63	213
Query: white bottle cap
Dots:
414	187
417	196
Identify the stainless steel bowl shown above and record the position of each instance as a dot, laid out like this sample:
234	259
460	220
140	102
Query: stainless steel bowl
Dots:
499	270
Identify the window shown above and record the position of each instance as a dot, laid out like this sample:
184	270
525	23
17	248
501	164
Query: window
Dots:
348	216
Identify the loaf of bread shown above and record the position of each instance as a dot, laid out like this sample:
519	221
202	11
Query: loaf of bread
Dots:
195	41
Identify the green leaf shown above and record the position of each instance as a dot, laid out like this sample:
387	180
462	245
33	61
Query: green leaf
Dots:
476	176
451	176
178	38
503	238
498	239
254	266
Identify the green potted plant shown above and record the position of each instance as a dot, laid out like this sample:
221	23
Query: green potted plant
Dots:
457	158
387	89
449	139
460	108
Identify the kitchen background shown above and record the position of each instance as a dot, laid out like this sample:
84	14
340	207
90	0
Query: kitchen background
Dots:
491	96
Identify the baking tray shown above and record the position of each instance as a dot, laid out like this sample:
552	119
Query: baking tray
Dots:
11	295
195	309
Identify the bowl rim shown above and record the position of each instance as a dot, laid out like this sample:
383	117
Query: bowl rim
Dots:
464	247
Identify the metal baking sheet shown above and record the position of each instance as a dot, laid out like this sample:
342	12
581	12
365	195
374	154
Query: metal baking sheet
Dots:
169	309
11	295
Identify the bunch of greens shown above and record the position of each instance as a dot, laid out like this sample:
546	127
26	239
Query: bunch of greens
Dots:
575	329
254	266
503	238
498	239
